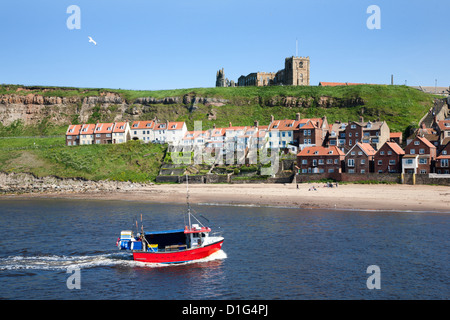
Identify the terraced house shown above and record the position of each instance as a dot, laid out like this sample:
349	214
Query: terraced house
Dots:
359	159
320	159
388	158
443	160
420	155
143	130
73	135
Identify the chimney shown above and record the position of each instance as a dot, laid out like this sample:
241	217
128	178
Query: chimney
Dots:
361	119
214	126
229	124
272	119
298	116
256	123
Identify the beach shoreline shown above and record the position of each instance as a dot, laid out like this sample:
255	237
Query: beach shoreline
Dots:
405	198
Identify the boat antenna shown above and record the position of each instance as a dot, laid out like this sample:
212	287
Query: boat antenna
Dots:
187	199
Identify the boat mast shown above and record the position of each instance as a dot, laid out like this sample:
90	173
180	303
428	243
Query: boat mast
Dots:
187	199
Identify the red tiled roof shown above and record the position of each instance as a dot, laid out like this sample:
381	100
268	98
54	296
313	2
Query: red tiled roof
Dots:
395	147
73	130
175	125
321	151
143	124
284	125
217	132
396	135
87	129
444	125
104	127
367	148
426	142
120	126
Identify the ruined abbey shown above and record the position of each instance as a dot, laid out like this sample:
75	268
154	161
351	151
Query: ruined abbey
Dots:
295	73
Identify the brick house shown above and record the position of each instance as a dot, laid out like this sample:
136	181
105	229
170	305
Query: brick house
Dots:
320	159
375	133
420	155
444	131
310	132
73	135
103	133
388	158
359	159
443	160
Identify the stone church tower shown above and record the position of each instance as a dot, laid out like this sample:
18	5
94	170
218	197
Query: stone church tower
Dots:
296	71
220	79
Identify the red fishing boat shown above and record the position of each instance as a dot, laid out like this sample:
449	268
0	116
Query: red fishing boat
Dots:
194	242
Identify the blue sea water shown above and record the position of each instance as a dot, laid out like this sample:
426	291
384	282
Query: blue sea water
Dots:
268	253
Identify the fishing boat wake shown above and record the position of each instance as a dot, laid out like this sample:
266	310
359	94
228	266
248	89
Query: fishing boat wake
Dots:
55	262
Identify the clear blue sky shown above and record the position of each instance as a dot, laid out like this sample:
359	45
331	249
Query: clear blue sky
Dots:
152	45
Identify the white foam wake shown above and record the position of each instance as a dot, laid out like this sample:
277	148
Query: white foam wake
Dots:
53	262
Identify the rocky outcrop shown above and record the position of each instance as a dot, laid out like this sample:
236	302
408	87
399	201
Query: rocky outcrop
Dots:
20	183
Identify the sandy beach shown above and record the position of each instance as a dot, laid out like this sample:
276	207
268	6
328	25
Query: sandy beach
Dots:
421	198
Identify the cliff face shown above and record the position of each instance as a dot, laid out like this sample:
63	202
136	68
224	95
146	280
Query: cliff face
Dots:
32	108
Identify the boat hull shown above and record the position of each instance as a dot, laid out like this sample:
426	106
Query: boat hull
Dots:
178	256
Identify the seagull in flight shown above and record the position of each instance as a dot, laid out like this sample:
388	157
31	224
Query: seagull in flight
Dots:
92	40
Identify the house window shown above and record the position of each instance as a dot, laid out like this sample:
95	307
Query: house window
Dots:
304	161
421	151
382	153
423	171
363	171
97	136
409	161
359	153
351	171
329	161
413	151
389	153
350	142
69	137
321	161
330	170
391	162
444	162
423	161
336	161
353	126
380	162
314	162
363	161
351	162
416	143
